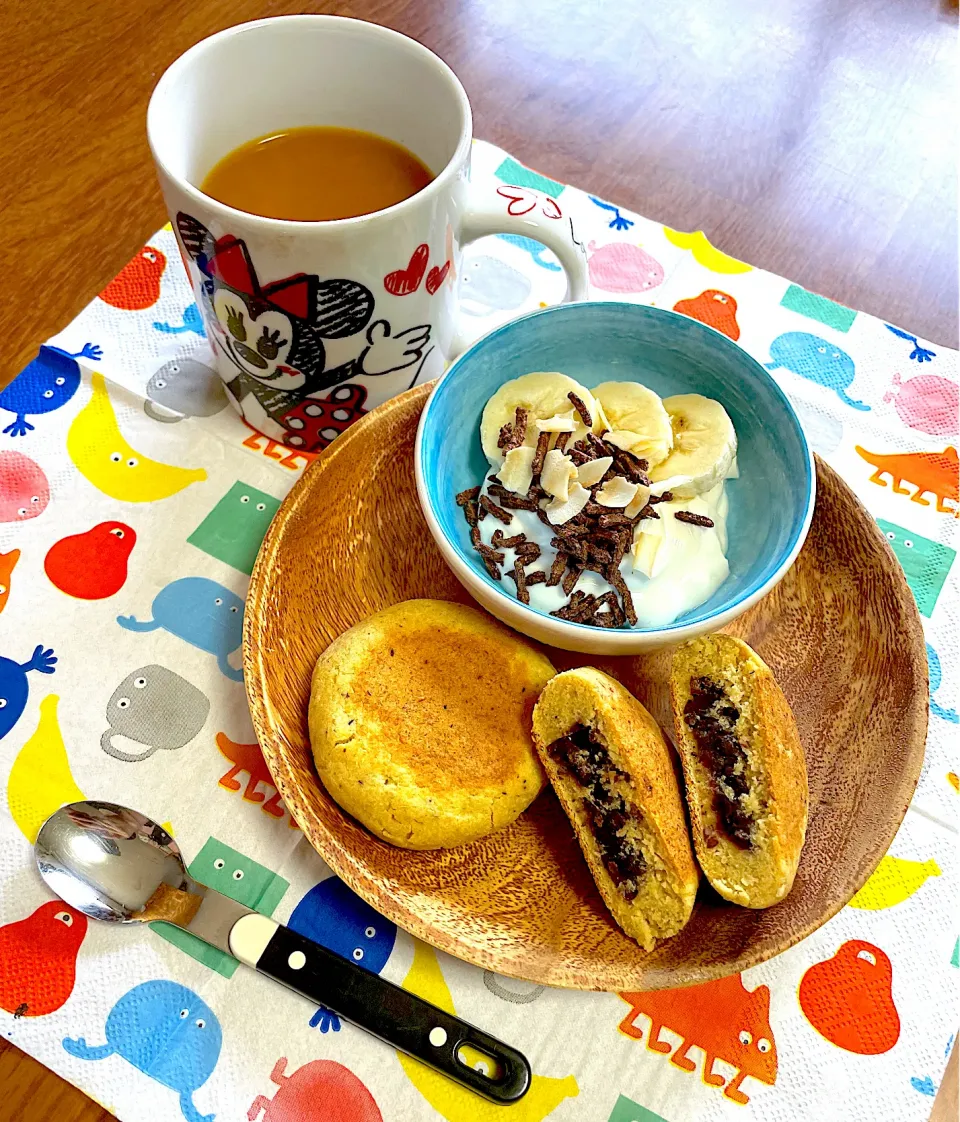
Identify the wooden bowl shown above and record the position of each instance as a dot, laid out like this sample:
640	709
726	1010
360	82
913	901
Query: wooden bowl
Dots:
841	632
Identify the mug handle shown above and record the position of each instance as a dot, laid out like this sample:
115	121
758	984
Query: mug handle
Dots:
507	209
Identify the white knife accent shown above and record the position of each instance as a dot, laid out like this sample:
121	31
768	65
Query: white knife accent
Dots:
249	937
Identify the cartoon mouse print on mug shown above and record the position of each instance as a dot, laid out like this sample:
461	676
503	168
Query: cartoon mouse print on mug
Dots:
277	334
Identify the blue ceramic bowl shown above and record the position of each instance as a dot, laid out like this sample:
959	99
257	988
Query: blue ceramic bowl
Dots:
771	504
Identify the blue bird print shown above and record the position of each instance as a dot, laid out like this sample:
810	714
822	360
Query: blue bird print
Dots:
14	688
191	322
618	222
334	916
43	385
535	249
920	354
936	674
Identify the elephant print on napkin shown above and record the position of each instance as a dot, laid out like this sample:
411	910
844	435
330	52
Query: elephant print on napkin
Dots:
167	1032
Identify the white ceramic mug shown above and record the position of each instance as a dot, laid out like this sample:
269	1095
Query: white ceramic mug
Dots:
315	323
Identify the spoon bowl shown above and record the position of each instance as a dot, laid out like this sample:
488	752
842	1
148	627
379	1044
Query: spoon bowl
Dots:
107	861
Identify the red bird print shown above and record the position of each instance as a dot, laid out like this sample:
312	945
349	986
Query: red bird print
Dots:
92	565
714	308
38	959
137	285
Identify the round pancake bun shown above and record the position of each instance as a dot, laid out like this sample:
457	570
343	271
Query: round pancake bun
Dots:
420	723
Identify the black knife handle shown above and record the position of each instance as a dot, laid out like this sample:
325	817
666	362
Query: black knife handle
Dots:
397	1017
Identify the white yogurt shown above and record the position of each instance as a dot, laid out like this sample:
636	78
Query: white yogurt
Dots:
691	561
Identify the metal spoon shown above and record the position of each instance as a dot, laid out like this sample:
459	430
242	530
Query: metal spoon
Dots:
114	864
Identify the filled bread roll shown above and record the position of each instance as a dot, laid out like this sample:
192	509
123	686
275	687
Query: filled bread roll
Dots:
746	776
613	773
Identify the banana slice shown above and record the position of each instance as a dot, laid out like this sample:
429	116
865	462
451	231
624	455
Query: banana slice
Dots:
705	444
544	396
637	419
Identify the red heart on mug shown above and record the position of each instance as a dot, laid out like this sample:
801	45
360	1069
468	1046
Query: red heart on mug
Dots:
436	277
402	282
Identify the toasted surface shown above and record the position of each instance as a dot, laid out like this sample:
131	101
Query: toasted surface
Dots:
420	723
775	771
643	777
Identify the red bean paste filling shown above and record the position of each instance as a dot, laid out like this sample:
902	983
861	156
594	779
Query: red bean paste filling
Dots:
588	761
712	717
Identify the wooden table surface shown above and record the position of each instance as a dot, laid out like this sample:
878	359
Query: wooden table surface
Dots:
814	138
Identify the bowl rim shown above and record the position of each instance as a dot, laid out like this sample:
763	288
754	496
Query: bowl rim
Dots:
623	639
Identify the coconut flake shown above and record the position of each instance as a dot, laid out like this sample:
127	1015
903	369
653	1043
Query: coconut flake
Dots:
560	511
617	492
644	554
733	471
517	471
558	471
559	422
593	470
638	502
647	552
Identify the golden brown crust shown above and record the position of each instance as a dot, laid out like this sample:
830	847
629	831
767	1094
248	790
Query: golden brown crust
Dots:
764	873
637	746
420	723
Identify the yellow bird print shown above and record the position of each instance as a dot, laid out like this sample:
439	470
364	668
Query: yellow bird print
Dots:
97	447
40	781
894	880
704	253
456	1103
